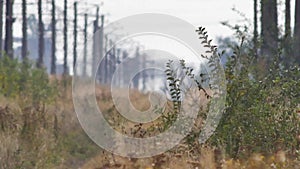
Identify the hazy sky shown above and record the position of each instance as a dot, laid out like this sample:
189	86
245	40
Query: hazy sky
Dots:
207	13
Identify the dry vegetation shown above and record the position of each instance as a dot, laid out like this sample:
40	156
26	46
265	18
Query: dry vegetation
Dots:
258	130
208	159
51	137
187	155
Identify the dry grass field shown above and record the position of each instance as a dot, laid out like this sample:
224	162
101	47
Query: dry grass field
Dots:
51	137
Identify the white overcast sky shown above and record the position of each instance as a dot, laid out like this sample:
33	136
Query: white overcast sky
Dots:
207	13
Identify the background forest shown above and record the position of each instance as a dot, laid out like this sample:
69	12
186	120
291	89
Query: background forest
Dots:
259	128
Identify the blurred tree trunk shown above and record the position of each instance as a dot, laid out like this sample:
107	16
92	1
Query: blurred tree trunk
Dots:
287	41
41	36
75	38
297	32
255	33
102	70
269	28
85	44
288	18
95	42
8	47
138	76
65	39
24	31
112	64
53	57
1	26
106	60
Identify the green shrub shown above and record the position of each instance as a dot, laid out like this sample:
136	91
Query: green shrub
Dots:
24	82
261	106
